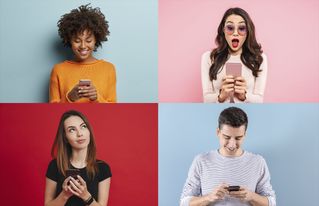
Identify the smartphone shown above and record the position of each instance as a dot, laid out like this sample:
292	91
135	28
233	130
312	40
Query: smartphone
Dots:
233	69
233	188
73	173
84	82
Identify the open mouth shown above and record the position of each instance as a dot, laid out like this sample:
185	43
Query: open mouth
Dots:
235	43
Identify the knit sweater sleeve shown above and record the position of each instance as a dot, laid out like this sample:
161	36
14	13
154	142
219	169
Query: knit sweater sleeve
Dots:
110	96
209	92
264	187
54	93
192	187
257	95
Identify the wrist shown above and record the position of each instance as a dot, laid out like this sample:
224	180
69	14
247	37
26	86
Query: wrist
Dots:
89	200
221	97
86	196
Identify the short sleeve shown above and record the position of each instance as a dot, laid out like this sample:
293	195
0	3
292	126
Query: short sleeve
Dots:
104	171
52	171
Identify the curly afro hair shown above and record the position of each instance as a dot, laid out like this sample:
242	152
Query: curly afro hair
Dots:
81	19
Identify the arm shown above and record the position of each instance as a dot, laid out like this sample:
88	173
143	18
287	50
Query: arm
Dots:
111	89
209	93
50	189
192	186
79	189
260	84
264	188
54	93
253	198
104	188
217	194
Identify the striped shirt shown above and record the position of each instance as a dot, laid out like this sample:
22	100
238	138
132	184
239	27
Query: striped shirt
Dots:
210	169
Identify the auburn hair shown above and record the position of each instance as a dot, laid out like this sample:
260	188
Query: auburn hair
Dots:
62	150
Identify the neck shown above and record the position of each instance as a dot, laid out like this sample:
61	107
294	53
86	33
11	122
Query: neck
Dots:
78	158
235	53
238	153
87	60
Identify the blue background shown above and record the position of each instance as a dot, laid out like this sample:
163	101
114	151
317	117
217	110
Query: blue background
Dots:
30	46
286	135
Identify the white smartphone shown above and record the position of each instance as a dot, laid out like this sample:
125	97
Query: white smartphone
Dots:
84	82
233	69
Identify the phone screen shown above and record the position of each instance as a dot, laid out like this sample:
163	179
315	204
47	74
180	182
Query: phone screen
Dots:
233	69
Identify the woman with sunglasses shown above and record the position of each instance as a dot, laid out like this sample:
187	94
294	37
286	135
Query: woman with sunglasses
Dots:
74	176
236	47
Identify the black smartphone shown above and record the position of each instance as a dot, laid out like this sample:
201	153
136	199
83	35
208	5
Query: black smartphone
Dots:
233	188
73	173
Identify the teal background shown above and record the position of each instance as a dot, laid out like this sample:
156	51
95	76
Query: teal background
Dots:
286	135
30	46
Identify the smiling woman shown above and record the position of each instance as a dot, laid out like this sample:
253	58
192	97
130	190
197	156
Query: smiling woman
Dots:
235	71
83	79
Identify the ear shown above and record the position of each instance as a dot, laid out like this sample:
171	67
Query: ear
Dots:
217	132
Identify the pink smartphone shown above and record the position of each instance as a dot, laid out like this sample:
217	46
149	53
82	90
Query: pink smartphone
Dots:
233	69
84	82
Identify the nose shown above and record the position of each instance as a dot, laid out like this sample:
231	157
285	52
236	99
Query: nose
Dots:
232	143
82	45
79	133
235	32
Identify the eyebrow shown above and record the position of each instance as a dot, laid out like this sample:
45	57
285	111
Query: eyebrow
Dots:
74	126
238	22
240	136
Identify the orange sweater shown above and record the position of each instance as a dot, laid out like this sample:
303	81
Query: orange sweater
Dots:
66	75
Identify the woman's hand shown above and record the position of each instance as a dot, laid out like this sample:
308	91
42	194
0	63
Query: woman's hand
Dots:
74	93
88	91
79	91
227	88
78	187
65	190
240	88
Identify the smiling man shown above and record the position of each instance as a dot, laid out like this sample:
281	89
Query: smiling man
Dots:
230	175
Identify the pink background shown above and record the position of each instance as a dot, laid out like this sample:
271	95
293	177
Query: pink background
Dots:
287	30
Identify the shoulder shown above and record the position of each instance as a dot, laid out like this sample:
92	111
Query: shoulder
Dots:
264	56
205	156
103	166
255	158
53	164
59	66
106	64
104	170
52	171
206	56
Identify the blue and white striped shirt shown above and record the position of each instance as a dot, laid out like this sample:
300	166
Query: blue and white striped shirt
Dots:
208	170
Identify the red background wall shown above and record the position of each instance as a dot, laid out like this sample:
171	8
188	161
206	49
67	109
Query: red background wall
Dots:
126	138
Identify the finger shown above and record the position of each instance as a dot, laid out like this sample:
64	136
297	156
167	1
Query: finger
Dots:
75	187
81	180
76	182
73	192
238	83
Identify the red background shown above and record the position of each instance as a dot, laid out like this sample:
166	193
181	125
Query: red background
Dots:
126	138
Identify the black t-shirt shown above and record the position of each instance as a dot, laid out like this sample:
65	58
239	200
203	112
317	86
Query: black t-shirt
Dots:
104	172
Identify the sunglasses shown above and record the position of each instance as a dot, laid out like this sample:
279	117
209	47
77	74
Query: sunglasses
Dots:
230	29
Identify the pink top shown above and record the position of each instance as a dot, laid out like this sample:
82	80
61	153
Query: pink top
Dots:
255	86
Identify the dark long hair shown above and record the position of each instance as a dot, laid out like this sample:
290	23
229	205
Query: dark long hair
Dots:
251	54
62	150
